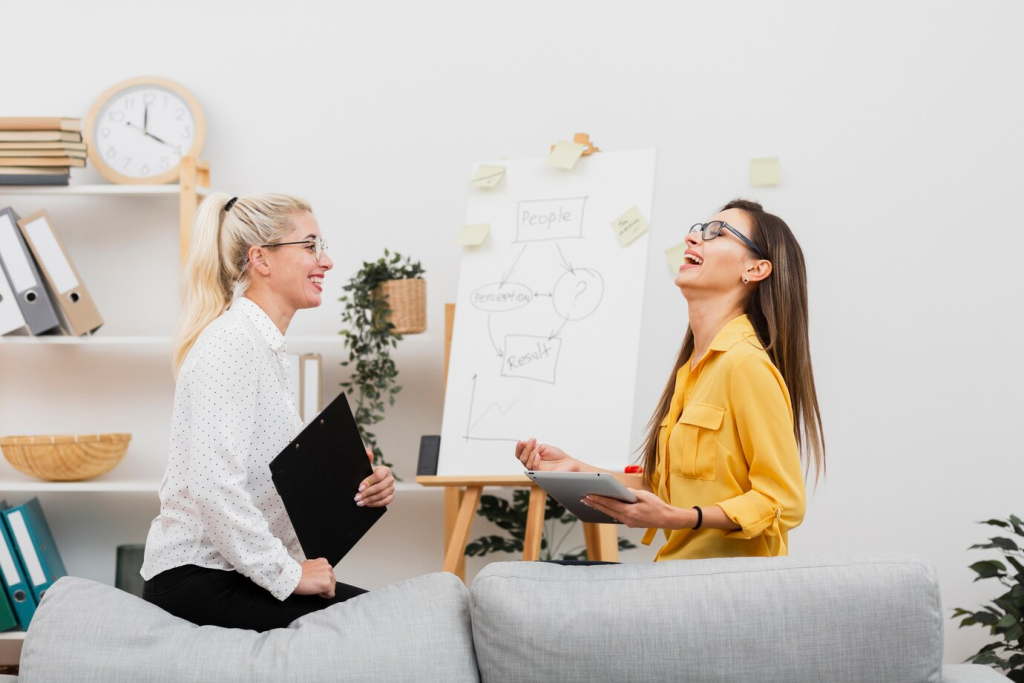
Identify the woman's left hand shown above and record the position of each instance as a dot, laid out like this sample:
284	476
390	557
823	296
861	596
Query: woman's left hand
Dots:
378	489
649	512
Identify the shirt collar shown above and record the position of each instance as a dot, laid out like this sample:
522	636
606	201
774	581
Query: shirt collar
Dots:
736	330
262	322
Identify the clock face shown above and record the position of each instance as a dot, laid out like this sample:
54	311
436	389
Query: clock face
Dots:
143	131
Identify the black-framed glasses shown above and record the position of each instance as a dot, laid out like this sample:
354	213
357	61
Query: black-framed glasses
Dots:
318	244
711	230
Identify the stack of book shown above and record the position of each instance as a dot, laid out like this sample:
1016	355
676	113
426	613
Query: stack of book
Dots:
39	150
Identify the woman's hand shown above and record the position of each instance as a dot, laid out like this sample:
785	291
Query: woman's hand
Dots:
378	489
317	579
649	512
545	457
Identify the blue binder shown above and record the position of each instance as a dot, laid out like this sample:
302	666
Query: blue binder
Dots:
12	576
34	542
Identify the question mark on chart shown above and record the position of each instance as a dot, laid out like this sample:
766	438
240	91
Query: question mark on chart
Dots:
580	288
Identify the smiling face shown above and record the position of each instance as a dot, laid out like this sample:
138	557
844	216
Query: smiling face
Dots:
295	277
718	266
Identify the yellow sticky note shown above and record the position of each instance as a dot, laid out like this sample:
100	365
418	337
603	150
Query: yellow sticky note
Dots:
675	256
629	226
566	154
487	176
474	235
764	171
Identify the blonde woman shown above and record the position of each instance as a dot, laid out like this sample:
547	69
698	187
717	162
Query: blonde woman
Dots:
222	550
722	474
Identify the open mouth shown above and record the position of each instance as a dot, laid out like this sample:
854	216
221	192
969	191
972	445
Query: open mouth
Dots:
318	282
691	260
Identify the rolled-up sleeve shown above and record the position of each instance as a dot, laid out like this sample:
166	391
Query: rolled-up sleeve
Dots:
224	392
776	500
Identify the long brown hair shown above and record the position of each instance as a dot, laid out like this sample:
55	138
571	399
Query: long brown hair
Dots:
778	311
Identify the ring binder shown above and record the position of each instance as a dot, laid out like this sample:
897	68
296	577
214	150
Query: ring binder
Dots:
23	275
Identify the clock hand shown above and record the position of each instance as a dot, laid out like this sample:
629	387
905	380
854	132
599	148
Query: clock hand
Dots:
148	134
158	139
145	119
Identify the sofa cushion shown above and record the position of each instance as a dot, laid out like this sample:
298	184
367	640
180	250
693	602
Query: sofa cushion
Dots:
785	620
415	630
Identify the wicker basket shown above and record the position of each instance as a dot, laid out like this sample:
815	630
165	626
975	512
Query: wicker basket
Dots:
65	458
407	300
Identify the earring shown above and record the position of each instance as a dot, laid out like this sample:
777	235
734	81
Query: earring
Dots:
745	280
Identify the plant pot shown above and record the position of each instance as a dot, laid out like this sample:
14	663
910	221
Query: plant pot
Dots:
407	300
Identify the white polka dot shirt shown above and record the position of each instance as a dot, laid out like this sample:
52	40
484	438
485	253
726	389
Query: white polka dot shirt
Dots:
232	416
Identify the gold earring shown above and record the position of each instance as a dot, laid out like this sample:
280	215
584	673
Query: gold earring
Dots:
745	280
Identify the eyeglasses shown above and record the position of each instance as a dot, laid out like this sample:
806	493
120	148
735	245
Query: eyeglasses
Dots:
317	243
710	231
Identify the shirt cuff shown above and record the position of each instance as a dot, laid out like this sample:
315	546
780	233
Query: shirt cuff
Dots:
288	581
752	512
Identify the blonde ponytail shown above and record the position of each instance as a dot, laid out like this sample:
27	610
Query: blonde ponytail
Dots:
218	263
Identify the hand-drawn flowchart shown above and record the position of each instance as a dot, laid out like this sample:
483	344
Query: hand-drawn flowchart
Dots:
547	319
574	293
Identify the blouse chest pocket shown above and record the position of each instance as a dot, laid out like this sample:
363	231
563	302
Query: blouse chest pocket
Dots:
694	442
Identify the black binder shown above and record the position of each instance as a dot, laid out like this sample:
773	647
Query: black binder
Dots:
317	475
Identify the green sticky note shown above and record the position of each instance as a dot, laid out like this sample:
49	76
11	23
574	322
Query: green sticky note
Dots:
675	256
629	226
487	176
765	171
474	235
566	154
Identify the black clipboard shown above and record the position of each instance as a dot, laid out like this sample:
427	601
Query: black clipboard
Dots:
317	476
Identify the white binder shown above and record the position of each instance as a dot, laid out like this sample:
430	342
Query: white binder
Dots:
61	275
10	313
24	278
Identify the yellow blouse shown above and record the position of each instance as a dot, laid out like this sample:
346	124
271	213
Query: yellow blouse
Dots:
728	441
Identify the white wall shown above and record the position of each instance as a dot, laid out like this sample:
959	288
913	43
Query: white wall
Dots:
898	126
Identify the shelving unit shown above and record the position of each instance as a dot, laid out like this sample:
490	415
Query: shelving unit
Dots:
126	502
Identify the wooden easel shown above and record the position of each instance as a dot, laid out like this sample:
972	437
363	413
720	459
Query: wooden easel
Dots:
462	499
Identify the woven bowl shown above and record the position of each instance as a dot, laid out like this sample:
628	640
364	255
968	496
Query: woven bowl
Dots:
65	458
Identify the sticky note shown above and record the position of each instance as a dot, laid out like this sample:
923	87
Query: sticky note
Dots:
629	226
566	154
764	171
675	256
474	235
487	176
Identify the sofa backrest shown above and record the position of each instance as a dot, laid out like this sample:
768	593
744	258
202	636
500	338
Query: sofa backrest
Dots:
775	620
416	630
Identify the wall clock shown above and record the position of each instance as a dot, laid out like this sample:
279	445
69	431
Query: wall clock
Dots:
138	131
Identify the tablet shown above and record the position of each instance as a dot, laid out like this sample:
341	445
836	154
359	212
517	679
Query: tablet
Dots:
569	488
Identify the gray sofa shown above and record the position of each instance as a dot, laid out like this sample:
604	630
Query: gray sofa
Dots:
869	619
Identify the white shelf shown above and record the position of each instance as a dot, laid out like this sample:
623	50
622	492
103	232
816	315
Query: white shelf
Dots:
23	484
149	340
13	635
89	341
136	190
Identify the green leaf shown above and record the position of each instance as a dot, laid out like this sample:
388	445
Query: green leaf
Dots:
986	569
1007	621
995	522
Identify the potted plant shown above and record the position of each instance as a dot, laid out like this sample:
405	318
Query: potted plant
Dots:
1005	616
384	300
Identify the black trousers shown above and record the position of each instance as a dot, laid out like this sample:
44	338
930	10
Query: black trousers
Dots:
218	597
